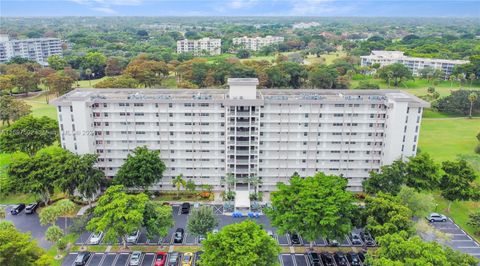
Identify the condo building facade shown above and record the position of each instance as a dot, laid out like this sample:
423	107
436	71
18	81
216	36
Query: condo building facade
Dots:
256	43
206	134
204	46
414	64
38	49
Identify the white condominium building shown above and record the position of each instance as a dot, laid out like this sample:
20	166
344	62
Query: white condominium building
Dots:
206	134
205	46
305	25
413	63
38	49
256	43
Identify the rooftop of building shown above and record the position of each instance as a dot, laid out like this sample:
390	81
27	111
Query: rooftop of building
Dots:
377	54
135	95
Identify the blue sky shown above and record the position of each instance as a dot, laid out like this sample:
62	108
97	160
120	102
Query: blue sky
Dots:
386	8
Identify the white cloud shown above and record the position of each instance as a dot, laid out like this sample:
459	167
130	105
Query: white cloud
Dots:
106	10
319	7
239	4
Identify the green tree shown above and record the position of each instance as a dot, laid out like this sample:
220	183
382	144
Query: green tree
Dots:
474	221
400	249
118	214
24	77
12	109
323	77
458	102
39	174
456	182
59	82
313	207
386	215
57	62
19	249
420	203
395	72
7	83
472	98
179	182
117	82
201	221
65	207
53	234
244	243
190	186
242	53
141	169
49	215
157	219
95	61
147	72
388	180
29	134
422	173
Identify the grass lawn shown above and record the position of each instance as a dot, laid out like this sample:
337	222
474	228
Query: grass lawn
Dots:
325	58
40	106
87	83
444	139
459	212
52	252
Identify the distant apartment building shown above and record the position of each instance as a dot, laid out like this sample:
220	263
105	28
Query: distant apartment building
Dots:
205	46
256	43
415	64
305	25
38	49
206	134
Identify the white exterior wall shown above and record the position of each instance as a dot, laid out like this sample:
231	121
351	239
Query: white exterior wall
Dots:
256	43
200	47
34	49
414	64
272	135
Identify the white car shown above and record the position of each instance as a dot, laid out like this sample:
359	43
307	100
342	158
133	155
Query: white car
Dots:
135	258
132	238
436	217
95	238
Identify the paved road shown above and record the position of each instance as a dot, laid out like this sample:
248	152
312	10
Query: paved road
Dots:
460	240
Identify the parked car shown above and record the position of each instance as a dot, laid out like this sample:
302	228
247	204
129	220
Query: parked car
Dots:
327	259
367	239
314	258
174	259
187	259
215	230
198	256
185	208
332	243
178	237
31	208
436	217
341	259
132	238
160	258
82	258
201	238
295	239
95	238
16	209
135	258
270	233
353	259
356	239
361	256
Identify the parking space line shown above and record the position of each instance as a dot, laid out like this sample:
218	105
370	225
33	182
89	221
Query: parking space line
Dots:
280	259
128	259
468	247
294	260
103	258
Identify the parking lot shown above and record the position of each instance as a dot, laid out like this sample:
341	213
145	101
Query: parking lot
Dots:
460	240
113	259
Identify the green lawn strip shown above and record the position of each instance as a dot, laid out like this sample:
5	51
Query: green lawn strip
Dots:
459	212
53	250
40	107
119	248
444	139
184	249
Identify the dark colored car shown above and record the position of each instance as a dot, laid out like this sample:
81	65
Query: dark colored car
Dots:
327	259
353	259
314	259
17	209
340	259
356	239
332	243
295	239
82	258
367	239
361	256
198	256
178	237
185	208
31	208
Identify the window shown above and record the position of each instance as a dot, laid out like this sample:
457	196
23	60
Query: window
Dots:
138	104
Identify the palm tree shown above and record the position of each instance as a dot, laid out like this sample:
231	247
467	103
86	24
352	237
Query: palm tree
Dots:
64	208
254	181
230	180
3	213
179	182
88	72
452	79
472	97
390	76
460	78
472	77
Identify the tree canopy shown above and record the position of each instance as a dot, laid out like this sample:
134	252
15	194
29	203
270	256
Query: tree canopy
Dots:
201	221
316	206
244	243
